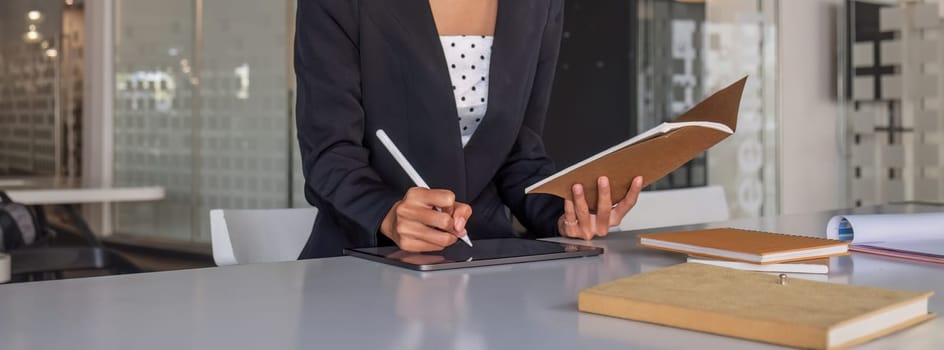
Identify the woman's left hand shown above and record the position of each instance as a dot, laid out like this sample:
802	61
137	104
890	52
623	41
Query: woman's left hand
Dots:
577	222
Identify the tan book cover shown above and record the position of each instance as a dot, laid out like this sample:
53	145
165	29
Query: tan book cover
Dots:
745	245
749	305
654	153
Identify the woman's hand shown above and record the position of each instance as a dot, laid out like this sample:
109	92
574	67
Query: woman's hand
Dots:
415	225
577	222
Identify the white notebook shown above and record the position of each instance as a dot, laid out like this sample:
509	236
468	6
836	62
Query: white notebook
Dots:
822	267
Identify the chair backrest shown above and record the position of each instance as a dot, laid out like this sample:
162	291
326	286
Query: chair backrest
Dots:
245	236
683	206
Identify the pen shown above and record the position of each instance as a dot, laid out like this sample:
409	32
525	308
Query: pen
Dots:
408	168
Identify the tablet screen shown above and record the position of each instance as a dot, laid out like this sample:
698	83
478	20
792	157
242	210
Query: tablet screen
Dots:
483	250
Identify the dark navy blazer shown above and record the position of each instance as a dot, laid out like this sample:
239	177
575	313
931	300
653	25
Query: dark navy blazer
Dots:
363	65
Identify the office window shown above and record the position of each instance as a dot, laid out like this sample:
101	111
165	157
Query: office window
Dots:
203	107
892	76
34	80
688	50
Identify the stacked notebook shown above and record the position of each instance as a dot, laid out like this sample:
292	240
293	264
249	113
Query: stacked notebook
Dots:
759	307
750	250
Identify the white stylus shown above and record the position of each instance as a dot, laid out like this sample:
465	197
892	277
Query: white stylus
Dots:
408	168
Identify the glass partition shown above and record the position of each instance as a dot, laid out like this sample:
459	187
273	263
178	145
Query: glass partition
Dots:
688	50
895	125
203	108
30	120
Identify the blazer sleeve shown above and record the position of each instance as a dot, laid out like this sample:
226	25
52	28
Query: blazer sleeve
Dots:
528	162
330	119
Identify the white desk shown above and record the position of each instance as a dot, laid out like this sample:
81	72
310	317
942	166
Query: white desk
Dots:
5	182
69	193
351	303
50	191
55	196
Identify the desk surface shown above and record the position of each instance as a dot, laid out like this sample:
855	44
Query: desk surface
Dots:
52	191
347	302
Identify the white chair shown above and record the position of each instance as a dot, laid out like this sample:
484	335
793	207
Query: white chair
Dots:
246	236
683	206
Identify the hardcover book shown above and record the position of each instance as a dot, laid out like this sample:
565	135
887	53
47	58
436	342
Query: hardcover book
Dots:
757	306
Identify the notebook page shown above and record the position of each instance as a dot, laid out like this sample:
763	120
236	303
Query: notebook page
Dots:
934	248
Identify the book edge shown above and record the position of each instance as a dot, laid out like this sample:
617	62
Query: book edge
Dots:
832	242
886	308
748	261
887	331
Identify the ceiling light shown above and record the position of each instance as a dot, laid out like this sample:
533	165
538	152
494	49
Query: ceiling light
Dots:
34	16
32	36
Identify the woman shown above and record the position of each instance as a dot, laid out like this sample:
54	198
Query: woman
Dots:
462	87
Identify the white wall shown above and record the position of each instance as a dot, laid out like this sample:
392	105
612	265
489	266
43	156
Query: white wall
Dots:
812	169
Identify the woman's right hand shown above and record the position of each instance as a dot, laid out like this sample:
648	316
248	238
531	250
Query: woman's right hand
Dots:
415	225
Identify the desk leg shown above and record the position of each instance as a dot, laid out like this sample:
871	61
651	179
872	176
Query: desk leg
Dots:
84	230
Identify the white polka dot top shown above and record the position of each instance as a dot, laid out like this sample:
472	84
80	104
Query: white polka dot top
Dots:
468	58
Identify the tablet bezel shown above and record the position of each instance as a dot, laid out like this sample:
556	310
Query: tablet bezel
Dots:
582	251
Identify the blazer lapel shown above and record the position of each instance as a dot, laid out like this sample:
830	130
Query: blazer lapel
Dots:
515	49
434	144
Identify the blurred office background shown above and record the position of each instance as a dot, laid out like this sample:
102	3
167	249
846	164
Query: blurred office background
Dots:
197	97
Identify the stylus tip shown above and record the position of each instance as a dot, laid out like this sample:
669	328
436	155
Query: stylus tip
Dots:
466	240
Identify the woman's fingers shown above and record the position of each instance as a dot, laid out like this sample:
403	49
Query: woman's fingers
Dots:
583	212
570	213
410	244
569	220
426	216
414	230
460	216
577	222
629	201
604	205
444	199
428	220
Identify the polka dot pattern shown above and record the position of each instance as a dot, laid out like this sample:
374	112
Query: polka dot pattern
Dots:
468	59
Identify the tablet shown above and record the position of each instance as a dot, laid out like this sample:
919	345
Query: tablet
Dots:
485	252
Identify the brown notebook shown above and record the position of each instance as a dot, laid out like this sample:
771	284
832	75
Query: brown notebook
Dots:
756	306
654	153
744	245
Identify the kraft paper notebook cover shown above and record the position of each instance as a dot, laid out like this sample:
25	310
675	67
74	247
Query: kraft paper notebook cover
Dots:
744	245
654	153
756	306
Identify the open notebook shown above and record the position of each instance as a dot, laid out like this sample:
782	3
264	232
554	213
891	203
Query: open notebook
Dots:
909	236
654	153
